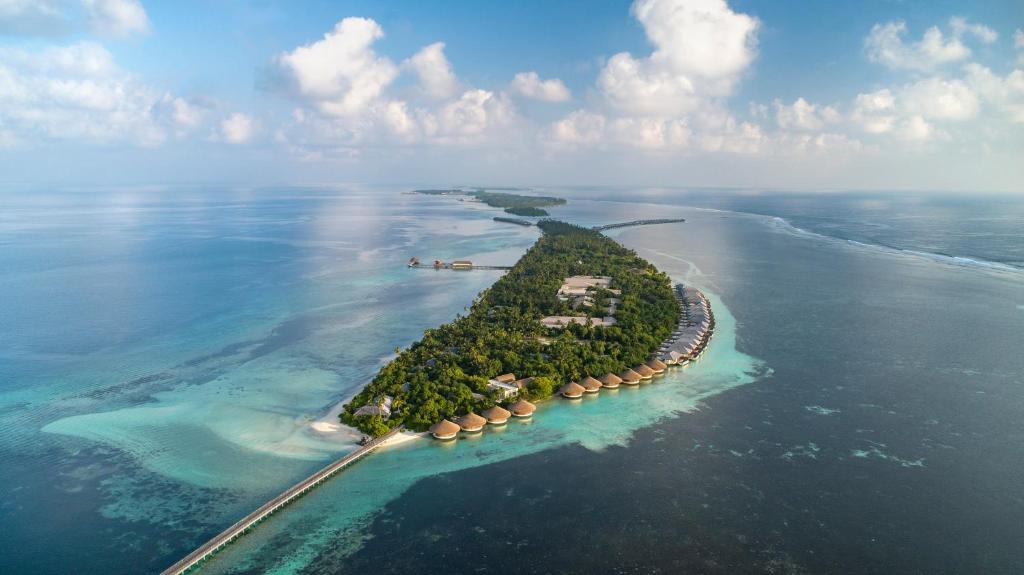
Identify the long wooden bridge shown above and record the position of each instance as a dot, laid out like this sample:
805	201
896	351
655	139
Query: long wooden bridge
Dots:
637	223
214	545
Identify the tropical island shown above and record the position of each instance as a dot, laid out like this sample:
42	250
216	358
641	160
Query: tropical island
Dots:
515	204
576	305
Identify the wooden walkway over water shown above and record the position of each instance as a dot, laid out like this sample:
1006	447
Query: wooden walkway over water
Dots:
637	223
214	545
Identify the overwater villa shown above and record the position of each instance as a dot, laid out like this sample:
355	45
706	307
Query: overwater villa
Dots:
590	385
572	391
610	380
644	371
629	377
496	415
471	422
522	409
444	429
657	366
461	265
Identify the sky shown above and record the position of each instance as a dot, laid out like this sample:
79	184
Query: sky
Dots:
796	95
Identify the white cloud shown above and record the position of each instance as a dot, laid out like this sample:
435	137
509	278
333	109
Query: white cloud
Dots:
76	92
469	118
802	115
885	44
435	73
341	73
579	127
941	99
117	18
1005	94
238	128
701	48
916	128
530	85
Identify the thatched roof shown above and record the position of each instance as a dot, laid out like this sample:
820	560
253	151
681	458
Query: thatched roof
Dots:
522	407
610	380
590	384
572	390
657	365
471	421
496	413
644	371
629	376
505	378
444	428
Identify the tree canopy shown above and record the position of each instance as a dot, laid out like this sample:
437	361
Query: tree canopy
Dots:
445	373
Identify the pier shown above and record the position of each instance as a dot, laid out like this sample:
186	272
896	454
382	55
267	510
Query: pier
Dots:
694	331
214	545
637	223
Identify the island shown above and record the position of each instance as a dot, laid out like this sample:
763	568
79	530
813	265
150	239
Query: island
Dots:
576	306
515	204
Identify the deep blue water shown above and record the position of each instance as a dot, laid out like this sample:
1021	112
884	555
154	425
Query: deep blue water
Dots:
162	354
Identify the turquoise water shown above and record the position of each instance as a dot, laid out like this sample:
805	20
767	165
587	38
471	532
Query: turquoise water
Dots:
165	352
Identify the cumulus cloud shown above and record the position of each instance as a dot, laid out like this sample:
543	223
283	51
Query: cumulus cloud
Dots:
941	99
119	18
700	49
1004	93
77	92
530	85
802	115
341	74
437	79
886	45
238	128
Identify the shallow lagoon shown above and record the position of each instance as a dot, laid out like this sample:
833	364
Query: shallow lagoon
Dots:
826	425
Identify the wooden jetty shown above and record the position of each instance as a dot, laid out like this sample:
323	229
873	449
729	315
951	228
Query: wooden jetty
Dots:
637	223
222	540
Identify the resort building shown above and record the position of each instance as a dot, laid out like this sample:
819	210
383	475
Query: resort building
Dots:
657	366
506	384
590	385
461	265
522	409
496	415
572	391
381	408
560	321
444	429
644	371
629	377
471	422
610	380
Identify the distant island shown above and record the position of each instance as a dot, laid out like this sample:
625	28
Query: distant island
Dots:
515	204
517	221
577	305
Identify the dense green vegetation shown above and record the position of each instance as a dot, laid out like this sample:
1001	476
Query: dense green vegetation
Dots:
438	376
516	204
528	212
516	221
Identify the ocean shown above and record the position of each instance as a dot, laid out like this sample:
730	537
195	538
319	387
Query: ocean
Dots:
165	354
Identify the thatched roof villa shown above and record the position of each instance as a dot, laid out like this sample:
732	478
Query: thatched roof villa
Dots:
610	380
496	415
471	422
590	385
444	429
656	365
572	391
522	408
644	371
630	377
